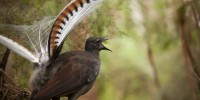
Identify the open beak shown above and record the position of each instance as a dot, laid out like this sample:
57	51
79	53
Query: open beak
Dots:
102	46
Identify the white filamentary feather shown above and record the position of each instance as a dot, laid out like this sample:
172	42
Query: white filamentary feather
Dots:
36	34
22	51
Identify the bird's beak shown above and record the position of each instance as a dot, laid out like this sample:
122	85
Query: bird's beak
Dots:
102	46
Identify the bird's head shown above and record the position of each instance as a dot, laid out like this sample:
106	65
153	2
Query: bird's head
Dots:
95	44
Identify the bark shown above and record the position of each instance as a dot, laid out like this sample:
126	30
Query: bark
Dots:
185	44
190	64
188	67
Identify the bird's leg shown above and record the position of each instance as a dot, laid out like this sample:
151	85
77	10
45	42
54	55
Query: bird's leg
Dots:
55	98
81	91
72	98
75	95
33	93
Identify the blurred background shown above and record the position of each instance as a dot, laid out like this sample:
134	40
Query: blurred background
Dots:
155	44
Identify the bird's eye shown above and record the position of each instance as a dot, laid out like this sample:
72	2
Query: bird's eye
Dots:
98	40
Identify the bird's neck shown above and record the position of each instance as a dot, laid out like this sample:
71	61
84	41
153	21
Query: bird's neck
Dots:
95	52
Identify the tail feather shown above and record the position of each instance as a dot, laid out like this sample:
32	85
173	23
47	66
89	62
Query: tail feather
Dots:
66	21
15	47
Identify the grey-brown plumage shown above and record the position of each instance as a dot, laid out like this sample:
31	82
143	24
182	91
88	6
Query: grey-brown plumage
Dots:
76	73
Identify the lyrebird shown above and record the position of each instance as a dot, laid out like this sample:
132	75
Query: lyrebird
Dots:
47	81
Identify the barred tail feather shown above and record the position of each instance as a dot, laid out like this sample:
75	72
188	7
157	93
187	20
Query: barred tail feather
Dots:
66	21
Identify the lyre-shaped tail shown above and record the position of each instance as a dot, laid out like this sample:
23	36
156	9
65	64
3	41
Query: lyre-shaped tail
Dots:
66	21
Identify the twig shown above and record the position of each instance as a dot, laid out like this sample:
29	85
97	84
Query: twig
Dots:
5	59
4	75
4	95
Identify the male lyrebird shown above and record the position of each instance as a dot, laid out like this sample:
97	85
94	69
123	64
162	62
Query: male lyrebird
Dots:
75	72
48	61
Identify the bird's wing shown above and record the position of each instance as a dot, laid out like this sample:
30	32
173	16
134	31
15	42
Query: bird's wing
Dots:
22	51
71	76
66	21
